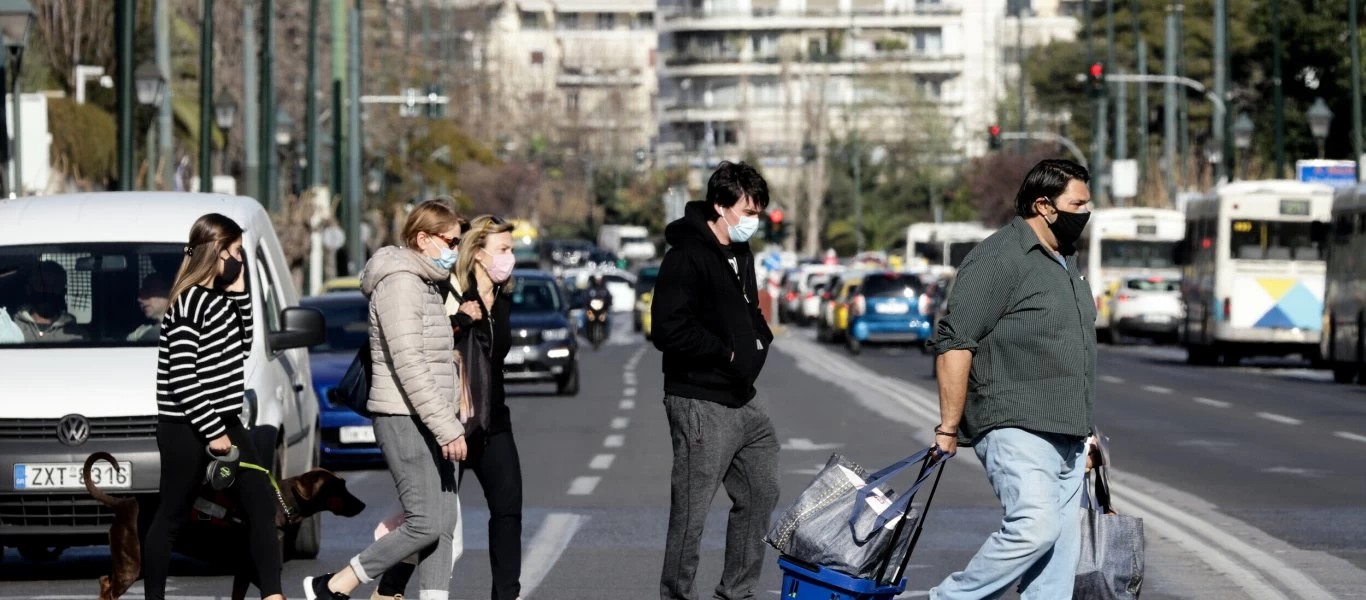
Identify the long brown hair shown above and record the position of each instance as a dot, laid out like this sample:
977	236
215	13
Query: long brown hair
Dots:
210	236
480	229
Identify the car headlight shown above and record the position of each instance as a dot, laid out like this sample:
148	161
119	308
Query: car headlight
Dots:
555	335
595	304
249	409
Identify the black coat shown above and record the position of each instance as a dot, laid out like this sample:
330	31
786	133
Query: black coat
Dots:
704	313
492	338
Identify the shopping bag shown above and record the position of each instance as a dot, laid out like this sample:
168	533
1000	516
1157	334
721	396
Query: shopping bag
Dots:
848	520
1111	562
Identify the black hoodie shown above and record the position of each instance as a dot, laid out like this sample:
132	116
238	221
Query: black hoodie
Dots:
703	312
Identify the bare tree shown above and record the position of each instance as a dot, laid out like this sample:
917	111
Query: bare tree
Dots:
817	113
75	32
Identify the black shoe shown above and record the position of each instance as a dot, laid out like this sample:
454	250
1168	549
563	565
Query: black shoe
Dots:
315	588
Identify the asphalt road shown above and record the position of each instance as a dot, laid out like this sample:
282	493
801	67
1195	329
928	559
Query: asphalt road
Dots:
1249	481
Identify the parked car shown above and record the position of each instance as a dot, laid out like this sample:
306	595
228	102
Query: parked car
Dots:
1148	307
647	320
645	283
347	438
545	347
834	330
889	308
811	280
107	246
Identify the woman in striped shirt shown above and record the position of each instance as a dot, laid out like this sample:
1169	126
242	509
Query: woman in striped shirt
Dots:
205	340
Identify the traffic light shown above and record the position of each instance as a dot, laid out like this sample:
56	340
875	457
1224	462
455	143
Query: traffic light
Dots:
994	137
776	227
1096	75
432	109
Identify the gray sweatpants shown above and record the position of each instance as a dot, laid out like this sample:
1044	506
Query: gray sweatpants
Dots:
427	486
718	445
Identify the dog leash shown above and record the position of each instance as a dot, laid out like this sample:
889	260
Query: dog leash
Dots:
225	471
289	510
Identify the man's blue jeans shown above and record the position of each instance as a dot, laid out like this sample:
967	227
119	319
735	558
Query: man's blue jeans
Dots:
1038	478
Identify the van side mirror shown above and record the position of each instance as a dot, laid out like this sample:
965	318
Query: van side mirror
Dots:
303	327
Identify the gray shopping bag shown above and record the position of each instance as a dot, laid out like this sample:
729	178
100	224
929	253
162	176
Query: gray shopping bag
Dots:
1111	562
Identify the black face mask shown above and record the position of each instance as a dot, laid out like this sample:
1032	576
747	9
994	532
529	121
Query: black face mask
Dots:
1067	227
232	269
49	305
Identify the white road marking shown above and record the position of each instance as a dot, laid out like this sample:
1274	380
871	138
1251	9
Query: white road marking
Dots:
628	404
583	486
1111	379
615	440
602	462
620	423
1301	471
1213	402
1282	419
630	391
1347	435
1157	389
546	547
803	445
815	470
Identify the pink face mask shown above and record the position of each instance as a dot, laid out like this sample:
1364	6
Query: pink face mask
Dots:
502	266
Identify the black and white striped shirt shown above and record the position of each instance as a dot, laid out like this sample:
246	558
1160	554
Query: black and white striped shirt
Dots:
205	341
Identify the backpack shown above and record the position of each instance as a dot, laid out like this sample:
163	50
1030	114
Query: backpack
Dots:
353	391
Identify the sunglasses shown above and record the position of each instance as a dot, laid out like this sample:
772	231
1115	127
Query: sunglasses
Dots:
451	242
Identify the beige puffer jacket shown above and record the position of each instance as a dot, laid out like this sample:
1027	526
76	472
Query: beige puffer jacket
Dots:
411	342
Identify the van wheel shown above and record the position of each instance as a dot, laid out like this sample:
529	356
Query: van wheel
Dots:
40	554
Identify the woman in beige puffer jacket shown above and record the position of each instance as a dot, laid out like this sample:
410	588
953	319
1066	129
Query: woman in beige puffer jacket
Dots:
413	396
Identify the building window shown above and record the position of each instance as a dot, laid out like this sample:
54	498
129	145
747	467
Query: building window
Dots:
929	41
571	104
532	20
567	21
930	89
538	57
607	21
645	21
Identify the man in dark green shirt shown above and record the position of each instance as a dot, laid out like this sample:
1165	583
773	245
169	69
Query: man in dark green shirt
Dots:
1017	368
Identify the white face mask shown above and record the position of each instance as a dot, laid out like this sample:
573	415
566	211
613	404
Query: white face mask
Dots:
742	231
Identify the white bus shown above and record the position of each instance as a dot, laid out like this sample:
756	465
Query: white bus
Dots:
1344	307
1128	242
943	245
1255	281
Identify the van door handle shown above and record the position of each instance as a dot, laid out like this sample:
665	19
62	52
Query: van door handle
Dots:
298	387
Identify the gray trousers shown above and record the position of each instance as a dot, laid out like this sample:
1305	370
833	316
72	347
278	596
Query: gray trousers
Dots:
427	486
716	445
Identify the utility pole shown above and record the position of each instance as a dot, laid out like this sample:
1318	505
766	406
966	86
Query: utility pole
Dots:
163	35
311	175
1142	67
340	25
1169	106
1097	117
124	13
269	156
251	178
1020	59
858	193
1353	23
355	246
1183	131
1277	89
1221	85
205	98
1121	90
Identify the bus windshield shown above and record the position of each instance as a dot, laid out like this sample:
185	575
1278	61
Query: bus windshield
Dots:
1277	240
1138	254
959	251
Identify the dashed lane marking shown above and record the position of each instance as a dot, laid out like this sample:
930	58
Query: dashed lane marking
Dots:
584	486
628	404
615	440
602	462
1213	402
1282	419
1111	379
620	423
1157	389
1347	435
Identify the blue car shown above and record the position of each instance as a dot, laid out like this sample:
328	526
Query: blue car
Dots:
348	439
891	308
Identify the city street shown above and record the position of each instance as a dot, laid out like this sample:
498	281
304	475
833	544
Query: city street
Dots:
1249	480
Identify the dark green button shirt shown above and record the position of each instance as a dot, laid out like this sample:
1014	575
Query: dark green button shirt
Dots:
1031	326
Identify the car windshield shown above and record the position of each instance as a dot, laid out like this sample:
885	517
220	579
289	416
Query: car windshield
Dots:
535	295
1138	254
891	286
1154	284
85	294
646	280
347	319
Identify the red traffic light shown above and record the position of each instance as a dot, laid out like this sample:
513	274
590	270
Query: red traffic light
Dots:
776	215
1097	71
994	130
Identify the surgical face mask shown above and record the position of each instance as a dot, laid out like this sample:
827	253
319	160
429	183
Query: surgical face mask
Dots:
446	260
742	231
501	269
1067	227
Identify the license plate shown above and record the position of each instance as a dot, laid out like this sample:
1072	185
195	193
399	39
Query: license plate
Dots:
67	476
891	308
1157	318
515	357
359	434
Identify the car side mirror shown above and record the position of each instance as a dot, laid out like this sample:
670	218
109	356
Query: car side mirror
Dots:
303	327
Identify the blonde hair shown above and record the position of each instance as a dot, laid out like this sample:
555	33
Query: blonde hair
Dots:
473	241
432	217
210	236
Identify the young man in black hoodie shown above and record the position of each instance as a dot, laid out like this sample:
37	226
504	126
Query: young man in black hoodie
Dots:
714	339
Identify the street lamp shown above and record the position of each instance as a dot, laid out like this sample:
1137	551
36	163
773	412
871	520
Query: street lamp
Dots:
1320	117
1242	138
16	19
224	115
151	86
284	134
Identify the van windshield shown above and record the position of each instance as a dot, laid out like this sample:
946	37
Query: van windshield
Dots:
85	295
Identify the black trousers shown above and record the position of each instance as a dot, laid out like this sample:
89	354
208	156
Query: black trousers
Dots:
496	465
183	462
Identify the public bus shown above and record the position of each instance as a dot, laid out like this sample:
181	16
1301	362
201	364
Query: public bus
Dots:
943	246
1128	242
1344	306
1255	279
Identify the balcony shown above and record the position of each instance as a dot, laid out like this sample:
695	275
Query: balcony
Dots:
589	77
889	63
722	19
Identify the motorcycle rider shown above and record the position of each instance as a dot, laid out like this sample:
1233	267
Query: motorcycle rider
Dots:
597	288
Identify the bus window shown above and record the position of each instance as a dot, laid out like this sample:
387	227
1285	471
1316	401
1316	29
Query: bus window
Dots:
1138	254
959	251
1277	240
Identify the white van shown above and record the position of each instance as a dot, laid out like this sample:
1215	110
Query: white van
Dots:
84	380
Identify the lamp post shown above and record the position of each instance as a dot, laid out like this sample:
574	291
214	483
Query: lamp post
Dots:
150	85
1320	117
225	115
1242	138
16	19
284	134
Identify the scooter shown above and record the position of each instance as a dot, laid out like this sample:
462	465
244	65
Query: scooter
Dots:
596	317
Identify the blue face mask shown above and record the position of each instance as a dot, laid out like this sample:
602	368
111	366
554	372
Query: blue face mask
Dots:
446	260
743	230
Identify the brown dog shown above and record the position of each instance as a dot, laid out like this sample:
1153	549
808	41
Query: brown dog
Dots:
308	494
